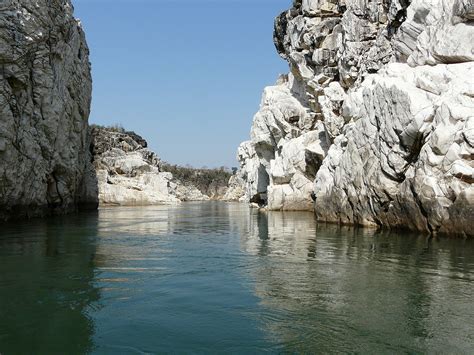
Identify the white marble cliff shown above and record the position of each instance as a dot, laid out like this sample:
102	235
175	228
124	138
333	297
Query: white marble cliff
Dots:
374	124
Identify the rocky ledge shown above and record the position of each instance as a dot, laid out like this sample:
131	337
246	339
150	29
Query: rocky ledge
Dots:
45	96
374	124
130	174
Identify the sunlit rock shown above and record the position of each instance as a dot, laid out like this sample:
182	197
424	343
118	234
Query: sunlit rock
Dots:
390	85
45	96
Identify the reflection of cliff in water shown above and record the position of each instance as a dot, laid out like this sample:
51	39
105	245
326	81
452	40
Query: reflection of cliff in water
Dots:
324	286
128	233
47	278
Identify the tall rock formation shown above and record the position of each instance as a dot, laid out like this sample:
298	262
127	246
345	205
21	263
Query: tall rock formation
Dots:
45	96
375	121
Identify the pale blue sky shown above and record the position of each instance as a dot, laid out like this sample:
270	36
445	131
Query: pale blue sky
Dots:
186	74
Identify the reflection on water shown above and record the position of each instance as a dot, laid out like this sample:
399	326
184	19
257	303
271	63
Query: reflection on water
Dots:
46	285
219	277
331	288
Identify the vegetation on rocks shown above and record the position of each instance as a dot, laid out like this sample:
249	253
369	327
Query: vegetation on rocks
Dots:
208	181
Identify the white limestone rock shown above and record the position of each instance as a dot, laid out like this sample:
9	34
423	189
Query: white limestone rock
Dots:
293	170
150	188
45	96
399	136
405	161
236	190
253	172
128	172
186	192
436	31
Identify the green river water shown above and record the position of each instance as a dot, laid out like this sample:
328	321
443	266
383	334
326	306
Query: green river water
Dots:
221	278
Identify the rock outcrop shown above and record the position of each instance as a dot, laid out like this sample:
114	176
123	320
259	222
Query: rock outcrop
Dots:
202	184
188	192
128	172
45	96
235	192
374	122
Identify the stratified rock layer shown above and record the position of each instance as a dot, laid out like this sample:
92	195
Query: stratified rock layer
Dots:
44	107
376	113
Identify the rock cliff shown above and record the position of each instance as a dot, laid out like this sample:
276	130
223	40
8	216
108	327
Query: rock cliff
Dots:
45	96
374	123
130	174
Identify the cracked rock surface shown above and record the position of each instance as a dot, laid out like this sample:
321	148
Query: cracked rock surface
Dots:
45	94
373	124
128	172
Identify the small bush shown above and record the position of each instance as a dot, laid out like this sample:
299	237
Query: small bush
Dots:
113	128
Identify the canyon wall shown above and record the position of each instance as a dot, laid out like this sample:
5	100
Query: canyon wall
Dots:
45	95
374	123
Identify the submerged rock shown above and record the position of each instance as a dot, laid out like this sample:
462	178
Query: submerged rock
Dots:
374	122
44	101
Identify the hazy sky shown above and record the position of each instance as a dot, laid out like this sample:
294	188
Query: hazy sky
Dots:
186	74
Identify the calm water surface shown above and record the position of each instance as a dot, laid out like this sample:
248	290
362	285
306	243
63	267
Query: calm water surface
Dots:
218	277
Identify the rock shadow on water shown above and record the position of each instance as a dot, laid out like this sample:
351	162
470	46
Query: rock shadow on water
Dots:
47	285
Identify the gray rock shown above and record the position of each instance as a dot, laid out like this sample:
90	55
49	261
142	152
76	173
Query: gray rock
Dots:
44	107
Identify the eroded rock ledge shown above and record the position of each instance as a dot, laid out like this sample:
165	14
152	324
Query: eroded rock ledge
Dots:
374	123
45	95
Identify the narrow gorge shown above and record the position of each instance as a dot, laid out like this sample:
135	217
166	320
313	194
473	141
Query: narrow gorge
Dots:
108	246
51	162
374	124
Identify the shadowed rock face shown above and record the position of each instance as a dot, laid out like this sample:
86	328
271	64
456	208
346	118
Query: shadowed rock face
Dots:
45	95
374	121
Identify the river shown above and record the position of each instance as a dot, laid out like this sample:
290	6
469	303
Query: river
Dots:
219	277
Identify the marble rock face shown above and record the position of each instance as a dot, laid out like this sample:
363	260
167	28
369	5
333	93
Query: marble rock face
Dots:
374	120
405	160
188	192
45	96
128	172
